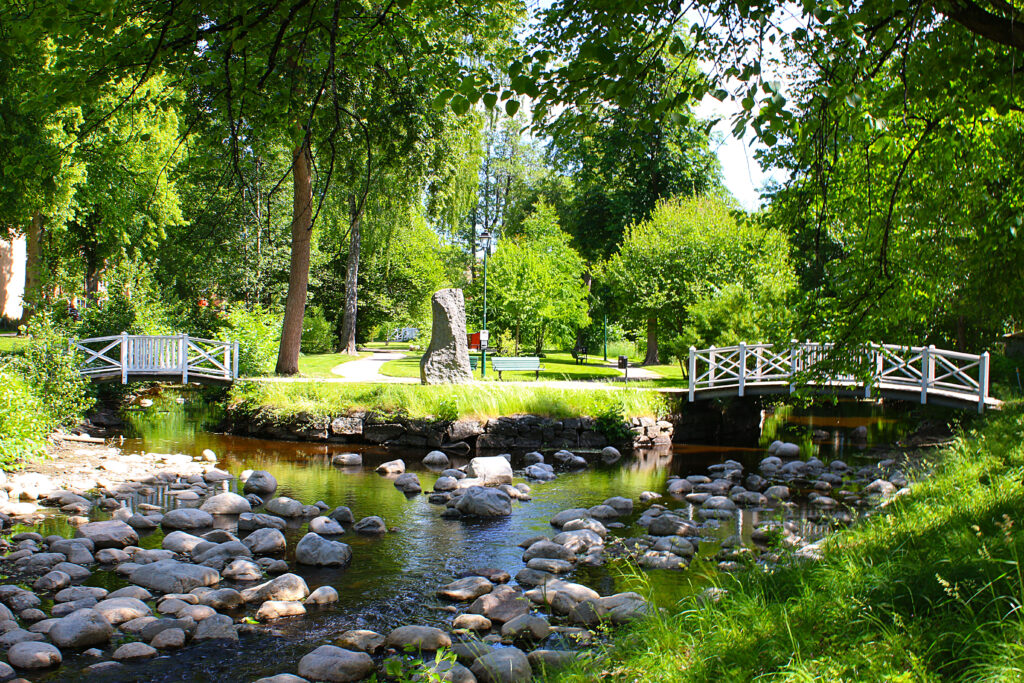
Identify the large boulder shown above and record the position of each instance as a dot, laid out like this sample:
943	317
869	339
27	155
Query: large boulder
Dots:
418	637
187	518
284	507
491	471
226	504
503	665
335	664
30	655
110	534
447	358
316	550
81	628
479	501
171	576
260	482
265	541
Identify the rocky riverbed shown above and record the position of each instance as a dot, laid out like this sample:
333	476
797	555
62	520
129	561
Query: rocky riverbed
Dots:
186	557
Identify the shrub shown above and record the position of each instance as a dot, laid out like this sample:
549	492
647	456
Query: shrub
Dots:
23	423
258	333
317	332
133	305
50	369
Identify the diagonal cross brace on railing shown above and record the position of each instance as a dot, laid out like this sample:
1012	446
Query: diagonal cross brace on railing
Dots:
144	356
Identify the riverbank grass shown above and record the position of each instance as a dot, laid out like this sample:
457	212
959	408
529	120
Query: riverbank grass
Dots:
930	588
291	399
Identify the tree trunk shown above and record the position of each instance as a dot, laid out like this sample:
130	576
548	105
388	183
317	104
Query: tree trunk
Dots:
588	282
961	334
652	342
298	272
33	267
348	323
540	338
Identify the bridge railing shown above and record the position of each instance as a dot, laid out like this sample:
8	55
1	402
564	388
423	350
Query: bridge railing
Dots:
921	369
138	356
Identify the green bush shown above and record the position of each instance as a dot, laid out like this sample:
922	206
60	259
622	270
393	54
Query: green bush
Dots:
258	333
133	305
317	332
50	369
23	422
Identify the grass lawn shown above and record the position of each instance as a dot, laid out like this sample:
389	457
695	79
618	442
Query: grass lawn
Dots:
284	400
927	589
12	344
558	365
320	364
381	346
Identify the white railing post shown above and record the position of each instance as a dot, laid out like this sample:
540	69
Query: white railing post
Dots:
743	366
711	367
183	345
234	360
926	366
794	344
124	358
982	381
693	371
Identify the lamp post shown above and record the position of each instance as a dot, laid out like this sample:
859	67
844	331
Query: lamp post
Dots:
485	239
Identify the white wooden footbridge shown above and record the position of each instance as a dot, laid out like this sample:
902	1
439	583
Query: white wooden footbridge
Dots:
179	358
915	373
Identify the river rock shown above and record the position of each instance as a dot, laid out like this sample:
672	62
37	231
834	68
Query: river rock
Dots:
324	595
490	471
265	541
418	637
479	501
120	610
243	569
446	360
408	483
82	628
217	627
548	549
472	622
579	541
503	665
526	626
502	604
187	518
564	516
317	551
332	663
671	525
79	593
109	534
392	467
277	609
220	553
248	521
362	640
436	459
444	484
226	504
130	652
347	459
33	655
325	526
171	576
52	581
469	588
284	587
260	482
222	599
587	523
284	507
549	661
170	639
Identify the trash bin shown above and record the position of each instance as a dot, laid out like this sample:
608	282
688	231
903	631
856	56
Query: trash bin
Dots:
623	362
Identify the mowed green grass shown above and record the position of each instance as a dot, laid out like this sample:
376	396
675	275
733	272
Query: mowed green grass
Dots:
12	344
320	364
558	365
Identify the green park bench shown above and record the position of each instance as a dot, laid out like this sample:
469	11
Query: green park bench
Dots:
525	363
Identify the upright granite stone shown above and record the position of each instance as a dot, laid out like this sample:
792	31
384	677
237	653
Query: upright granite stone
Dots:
447	359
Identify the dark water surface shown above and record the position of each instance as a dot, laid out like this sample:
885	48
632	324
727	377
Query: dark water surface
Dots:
392	579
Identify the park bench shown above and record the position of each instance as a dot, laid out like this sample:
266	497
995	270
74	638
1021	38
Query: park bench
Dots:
580	354
525	363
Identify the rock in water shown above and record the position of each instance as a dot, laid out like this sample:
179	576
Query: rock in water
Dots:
447	359
315	550
260	482
332	663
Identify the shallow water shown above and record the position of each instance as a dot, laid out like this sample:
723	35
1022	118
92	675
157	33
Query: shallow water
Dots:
392	579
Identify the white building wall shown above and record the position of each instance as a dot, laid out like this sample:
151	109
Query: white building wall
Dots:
12	277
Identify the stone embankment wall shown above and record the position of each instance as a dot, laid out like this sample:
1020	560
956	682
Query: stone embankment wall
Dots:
460	436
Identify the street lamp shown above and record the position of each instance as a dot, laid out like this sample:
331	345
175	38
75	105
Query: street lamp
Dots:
485	239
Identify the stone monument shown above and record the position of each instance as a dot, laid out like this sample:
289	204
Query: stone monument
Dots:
447	358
